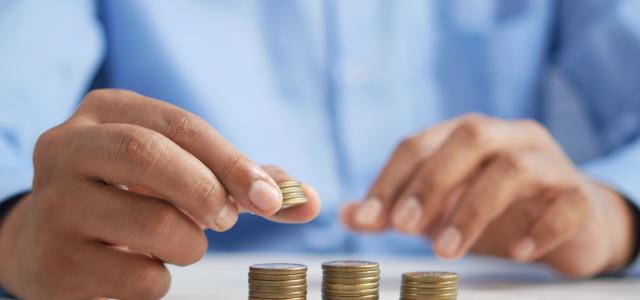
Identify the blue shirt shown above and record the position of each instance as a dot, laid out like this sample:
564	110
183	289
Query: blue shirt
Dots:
326	89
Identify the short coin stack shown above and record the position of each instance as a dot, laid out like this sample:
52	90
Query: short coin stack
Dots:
429	285
292	194
350	280
278	281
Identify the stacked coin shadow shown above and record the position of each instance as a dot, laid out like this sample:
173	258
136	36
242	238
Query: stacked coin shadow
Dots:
350	280
278	281
429	285
292	194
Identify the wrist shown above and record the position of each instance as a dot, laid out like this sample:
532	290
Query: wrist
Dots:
10	231
621	230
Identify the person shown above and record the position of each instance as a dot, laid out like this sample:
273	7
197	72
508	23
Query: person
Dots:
516	125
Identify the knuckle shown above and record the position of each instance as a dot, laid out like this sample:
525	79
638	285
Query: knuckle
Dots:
184	127
209	196
432	183
230	166
163	223
510	161
95	96
275	171
410	146
471	130
143	149
196	250
382	191
47	145
472	213
554	227
151	282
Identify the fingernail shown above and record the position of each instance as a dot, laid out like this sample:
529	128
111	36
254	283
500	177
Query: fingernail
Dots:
368	212
407	217
449	241
225	219
524	249
265	197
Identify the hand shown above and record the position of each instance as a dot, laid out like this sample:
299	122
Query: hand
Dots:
125	185
501	188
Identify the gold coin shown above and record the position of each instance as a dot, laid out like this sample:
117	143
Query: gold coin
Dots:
295	201
289	183
349	287
374	273
429	291
350	292
291	282
277	295
357	280
278	289
293	189
364	297
293	195
276	277
430	276
408	296
293	298
350	265
278	269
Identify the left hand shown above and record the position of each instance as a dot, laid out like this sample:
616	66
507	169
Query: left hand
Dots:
497	187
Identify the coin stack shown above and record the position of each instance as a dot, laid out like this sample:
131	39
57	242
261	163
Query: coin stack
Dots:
292	194
278	281
429	285
350	280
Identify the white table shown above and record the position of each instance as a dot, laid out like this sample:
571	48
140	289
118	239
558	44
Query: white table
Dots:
225	277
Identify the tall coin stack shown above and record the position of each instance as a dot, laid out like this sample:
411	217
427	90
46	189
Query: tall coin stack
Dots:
429	285
350	280
278	281
292	194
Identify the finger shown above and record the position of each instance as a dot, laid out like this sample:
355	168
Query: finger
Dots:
508	177
488	195
227	217
465	150
370	215
142	223
241	177
559	222
116	273
300	214
136	156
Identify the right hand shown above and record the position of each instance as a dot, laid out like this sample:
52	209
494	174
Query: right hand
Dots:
125	185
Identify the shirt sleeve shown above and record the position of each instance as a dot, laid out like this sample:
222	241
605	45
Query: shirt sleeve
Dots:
48	55
597	48
49	52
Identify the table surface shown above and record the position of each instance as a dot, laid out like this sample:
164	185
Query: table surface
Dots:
224	276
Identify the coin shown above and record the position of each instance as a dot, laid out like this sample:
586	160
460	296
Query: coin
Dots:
289	203
278	281
293	189
350	265
430	276
350	279
278	277
289	183
291	282
429	285
292	194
